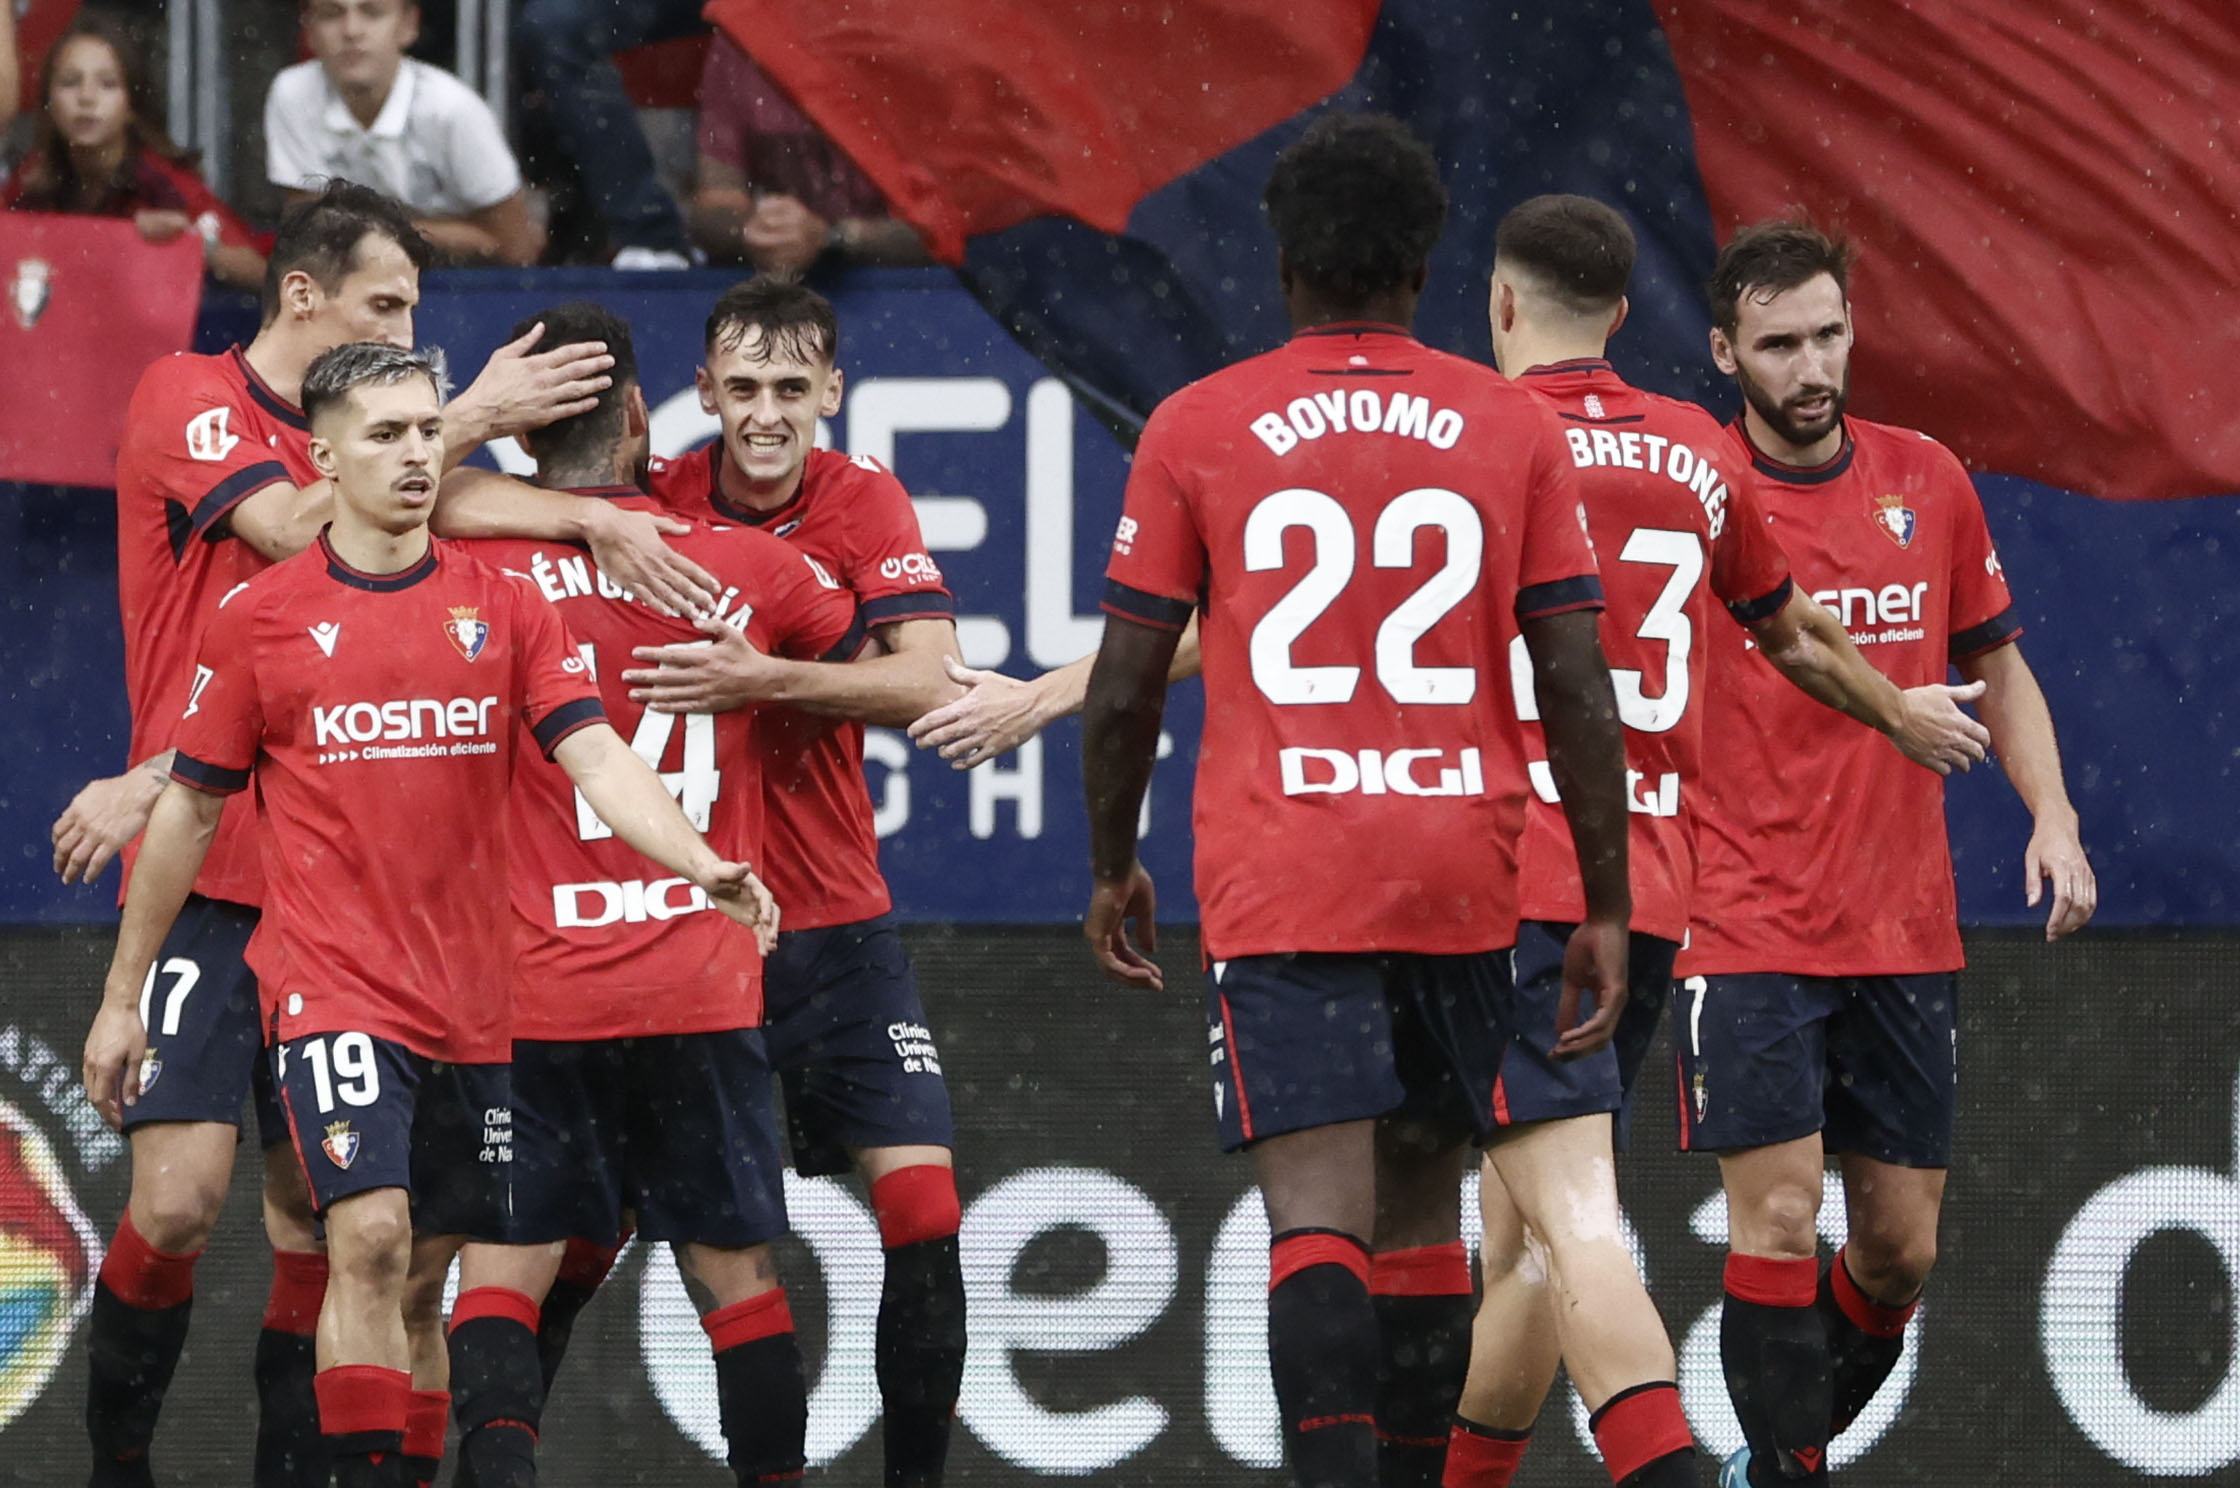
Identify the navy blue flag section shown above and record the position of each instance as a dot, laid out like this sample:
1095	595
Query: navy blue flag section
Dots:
2129	606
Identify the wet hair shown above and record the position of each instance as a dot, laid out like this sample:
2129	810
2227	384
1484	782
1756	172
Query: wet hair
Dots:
1768	258
792	318
1357	205
49	181
594	434
1577	250
335	374
321	237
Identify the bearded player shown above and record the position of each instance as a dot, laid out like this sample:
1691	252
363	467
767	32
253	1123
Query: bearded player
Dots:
1821	1005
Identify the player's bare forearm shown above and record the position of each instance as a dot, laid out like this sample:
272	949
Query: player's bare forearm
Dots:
473	502
627	545
625	794
104	816
892	690
1807	645
281	520
1586	751
2014	708
1120	718
180	830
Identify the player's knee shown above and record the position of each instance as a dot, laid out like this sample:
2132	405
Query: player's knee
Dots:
176	1211
1781	1221
372	1252
1891	1261
915	1204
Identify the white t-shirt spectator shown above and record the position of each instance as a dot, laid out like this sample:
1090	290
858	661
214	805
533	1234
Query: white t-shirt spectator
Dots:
435	146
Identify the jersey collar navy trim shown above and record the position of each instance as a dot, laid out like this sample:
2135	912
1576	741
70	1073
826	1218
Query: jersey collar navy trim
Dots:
270	401
1799	475
1576	364
609	493
1356	328
388	583
747	514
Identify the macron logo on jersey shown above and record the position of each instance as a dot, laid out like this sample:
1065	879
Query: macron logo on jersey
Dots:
208	438
326	633
403	719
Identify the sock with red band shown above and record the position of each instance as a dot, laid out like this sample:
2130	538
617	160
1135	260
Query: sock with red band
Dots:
761	1392
137	1325
425	1416
290	1450
1866	1338
1644	1437
1482	1456
583	1270
497	1386
362	1412
919	1356
1424	1308
1775	1352
1322	1352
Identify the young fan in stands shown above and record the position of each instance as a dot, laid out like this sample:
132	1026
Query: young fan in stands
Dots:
99	150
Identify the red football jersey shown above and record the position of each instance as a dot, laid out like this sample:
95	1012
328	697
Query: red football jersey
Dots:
1674	521
610	947
379	715
202	434
1363	522
854	520
1822	849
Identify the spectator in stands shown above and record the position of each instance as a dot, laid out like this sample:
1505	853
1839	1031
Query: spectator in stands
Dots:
99	150
565	50
11	76
771	189
364	111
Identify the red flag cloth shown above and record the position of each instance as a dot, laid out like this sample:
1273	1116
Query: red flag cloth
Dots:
2046	196
85	304
975	117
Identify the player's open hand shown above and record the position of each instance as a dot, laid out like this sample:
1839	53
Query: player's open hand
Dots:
735	889
1594	967
1935	734
115	1045
522	388
628	547
1111	906
723	672
103	816
996	715
2056	856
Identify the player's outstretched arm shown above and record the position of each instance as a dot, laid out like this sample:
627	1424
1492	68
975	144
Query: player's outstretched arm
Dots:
1586	751
104	816
2022	731
521	388
997	714
631	799
180	830
894	686
1809	646
1120	717
627	545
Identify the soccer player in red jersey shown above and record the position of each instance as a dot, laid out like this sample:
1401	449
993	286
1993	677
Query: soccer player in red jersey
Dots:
1365	523
640	1080
1821	1000
375	686
1673	515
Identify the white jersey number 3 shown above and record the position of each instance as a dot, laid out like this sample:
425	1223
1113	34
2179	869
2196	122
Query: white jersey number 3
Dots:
1667	621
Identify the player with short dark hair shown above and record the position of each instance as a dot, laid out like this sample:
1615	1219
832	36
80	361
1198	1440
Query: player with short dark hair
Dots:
1373	521
640	1078
1674	517
375	687
1821	995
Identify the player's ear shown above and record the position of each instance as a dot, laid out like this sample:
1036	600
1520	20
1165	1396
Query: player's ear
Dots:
411	23
1722	351
635	420
706	388
1619	318
832	390
300	293
322	456
527	439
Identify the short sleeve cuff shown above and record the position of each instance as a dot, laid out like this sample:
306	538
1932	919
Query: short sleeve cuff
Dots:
923	604
230	493
1154	610
849	644
565	720
1580	592
1765	606
2000	630
211	779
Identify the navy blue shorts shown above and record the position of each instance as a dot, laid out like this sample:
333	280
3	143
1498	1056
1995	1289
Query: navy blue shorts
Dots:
1535	1086
205	1036
677	1128
847	1035
368	1113
1866	1061
1317	1038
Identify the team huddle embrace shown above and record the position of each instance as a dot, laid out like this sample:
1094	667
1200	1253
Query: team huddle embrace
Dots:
1459	620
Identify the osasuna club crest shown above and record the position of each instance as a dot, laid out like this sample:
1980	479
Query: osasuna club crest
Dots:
30	287
341	1145
467	631
1895	518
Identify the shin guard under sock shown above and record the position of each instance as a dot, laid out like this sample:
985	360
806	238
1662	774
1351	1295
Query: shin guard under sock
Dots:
290	1451
1482	1456
362	1412
1424	1309
1775	1352
497	1386
137	1325
760	1388
920	1347
1322	1352
583	1270
1644	1437
1865	1341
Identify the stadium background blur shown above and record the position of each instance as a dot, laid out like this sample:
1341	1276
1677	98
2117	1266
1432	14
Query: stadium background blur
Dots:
2084	1327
